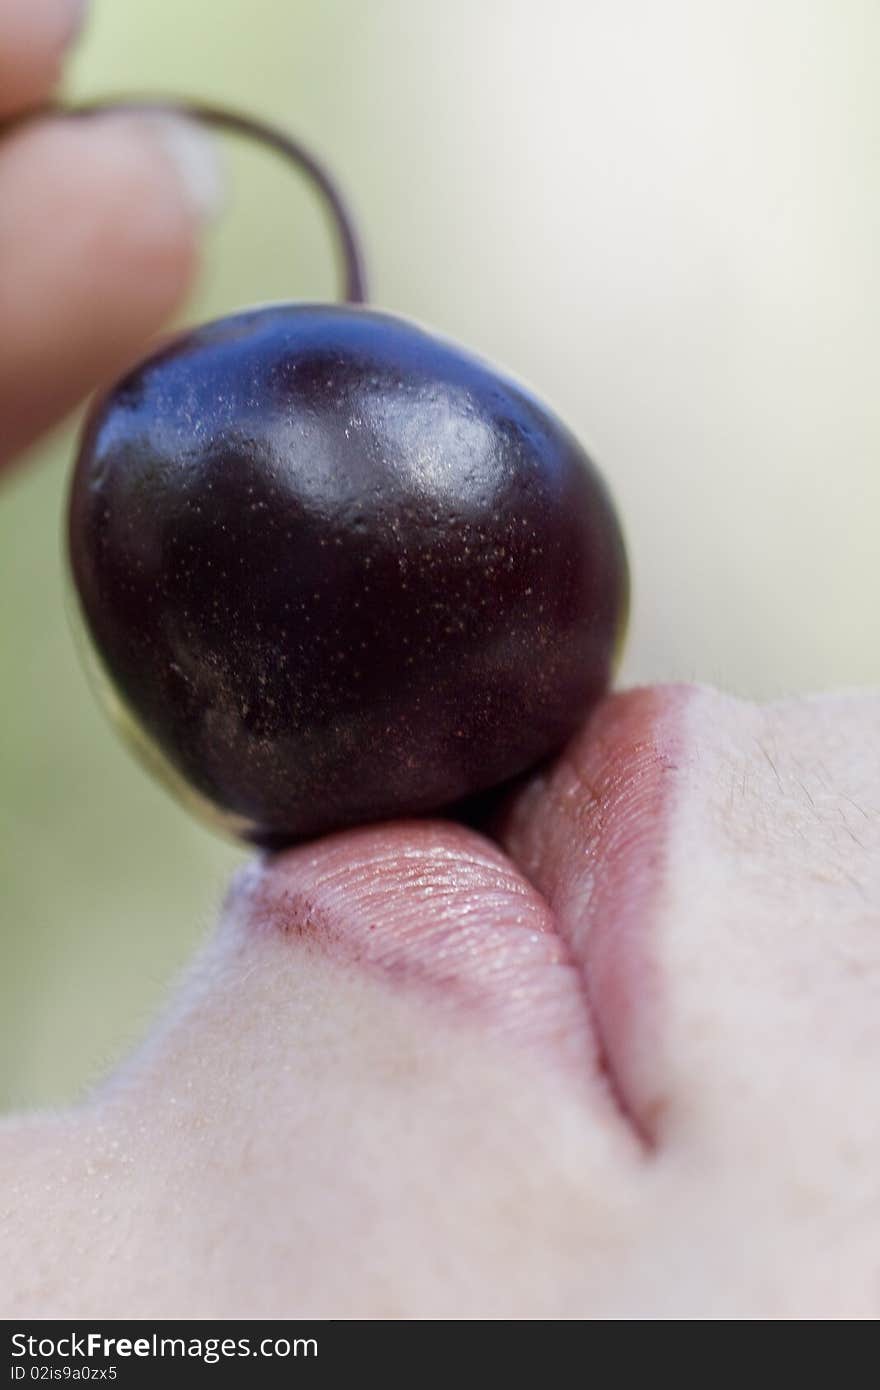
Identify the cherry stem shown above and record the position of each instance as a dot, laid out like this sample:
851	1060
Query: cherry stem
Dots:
352	261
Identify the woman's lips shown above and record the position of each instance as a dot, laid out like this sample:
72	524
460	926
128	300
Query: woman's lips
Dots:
435	910
593	837
547	942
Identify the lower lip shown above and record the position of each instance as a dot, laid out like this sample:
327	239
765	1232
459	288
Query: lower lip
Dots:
591	837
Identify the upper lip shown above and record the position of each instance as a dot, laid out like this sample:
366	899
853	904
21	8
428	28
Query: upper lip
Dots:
594	838
557	947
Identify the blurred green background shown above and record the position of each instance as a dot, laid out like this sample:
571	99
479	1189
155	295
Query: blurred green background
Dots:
664	216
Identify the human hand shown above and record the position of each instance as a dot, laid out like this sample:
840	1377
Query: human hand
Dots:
100	223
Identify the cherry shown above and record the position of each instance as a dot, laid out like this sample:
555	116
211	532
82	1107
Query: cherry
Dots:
335	568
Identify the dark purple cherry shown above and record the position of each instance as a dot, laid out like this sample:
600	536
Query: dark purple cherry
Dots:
336	569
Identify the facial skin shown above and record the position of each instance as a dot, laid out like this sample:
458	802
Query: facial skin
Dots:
617	1061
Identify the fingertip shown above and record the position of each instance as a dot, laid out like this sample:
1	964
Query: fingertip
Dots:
101	220
138	190
35	36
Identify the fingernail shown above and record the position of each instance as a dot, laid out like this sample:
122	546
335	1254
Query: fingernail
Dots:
75	13
194	155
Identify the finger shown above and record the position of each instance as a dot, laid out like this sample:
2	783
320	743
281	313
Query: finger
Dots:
34	37
100	220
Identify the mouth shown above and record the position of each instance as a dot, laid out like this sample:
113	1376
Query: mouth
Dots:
593	838
544	937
